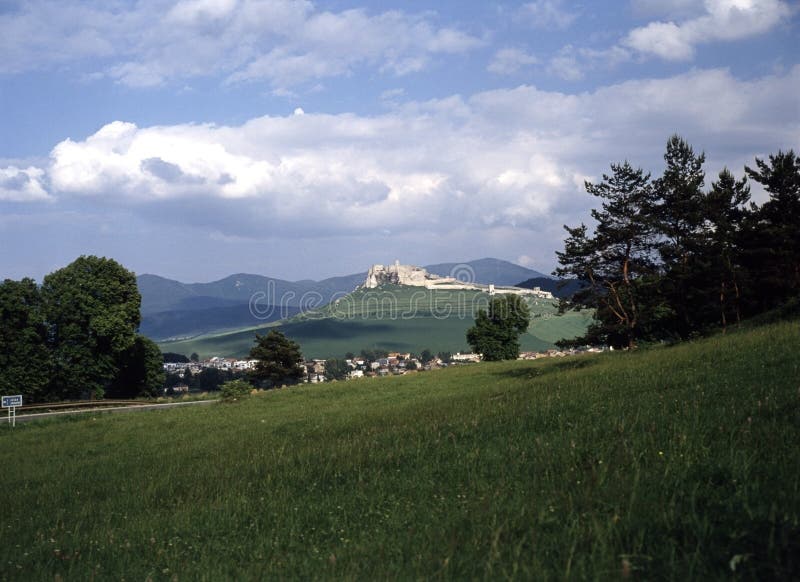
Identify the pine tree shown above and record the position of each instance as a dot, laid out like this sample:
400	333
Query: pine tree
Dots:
679	218
726	215
773	234
616	263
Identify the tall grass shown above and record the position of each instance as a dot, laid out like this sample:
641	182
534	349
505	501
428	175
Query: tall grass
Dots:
668	463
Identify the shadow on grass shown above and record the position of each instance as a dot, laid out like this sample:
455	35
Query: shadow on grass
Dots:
545	369
332	328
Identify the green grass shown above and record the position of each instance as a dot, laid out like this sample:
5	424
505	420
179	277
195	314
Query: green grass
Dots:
669	463
391	318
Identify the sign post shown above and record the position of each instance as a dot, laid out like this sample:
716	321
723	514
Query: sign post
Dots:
11	402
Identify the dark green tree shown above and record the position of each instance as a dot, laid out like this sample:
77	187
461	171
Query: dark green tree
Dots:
679	216
279	360
336	369
208	379
25	364
726	215
92	312
496	331
616	265
773	233
141	371
426	356
194	357
175	358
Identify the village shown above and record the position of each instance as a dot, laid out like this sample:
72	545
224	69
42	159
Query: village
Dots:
367	365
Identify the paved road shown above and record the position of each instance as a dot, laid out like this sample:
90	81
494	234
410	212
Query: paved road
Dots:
100	410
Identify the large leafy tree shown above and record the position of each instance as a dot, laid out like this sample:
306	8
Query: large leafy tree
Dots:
279	360
616	264
140	372
24	357
92	312
773	234
496	331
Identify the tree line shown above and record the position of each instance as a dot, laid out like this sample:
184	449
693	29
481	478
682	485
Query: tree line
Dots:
76	335
669	259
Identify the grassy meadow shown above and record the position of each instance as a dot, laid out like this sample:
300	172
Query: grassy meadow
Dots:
391	318
667	463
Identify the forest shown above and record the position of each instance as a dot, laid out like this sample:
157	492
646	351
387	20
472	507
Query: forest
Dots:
669	260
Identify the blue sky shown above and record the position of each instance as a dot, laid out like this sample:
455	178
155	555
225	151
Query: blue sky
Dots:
199	138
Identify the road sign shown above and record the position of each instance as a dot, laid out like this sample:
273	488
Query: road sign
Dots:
12	401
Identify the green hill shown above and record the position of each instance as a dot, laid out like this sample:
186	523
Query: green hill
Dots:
390	318
676	463
171	309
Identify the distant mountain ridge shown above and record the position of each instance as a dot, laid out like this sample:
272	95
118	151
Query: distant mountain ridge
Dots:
174	309
486	271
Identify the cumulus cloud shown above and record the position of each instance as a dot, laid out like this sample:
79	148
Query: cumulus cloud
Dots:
722	20
284	42
502	159
22	184
508	61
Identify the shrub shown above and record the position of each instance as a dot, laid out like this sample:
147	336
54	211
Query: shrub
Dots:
235	389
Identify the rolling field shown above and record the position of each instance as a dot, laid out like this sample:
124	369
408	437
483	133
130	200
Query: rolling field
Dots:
393	319
669	463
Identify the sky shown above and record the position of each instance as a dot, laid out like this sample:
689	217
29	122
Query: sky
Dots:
195	139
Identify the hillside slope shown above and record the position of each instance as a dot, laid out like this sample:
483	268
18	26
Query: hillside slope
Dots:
392	318
173	310
643	465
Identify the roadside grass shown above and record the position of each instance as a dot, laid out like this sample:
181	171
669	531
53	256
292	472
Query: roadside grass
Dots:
668	463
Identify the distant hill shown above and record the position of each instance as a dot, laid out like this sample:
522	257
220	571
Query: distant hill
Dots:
160	294
486	271
171	309
391	318
552	285
190	323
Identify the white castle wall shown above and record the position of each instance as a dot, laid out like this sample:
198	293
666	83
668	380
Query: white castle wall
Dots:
414	276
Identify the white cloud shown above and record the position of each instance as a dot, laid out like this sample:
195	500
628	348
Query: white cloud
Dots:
331	44
503	159
508	61
723	20
566	64
22	184
547	14
284	42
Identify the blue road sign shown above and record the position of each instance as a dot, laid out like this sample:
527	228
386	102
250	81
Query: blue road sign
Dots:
12	401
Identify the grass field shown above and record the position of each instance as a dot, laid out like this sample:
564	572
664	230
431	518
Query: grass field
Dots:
393	319
670	463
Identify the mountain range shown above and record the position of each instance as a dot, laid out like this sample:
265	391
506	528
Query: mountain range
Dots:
173	309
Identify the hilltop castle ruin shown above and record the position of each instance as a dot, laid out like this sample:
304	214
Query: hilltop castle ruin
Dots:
414	276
